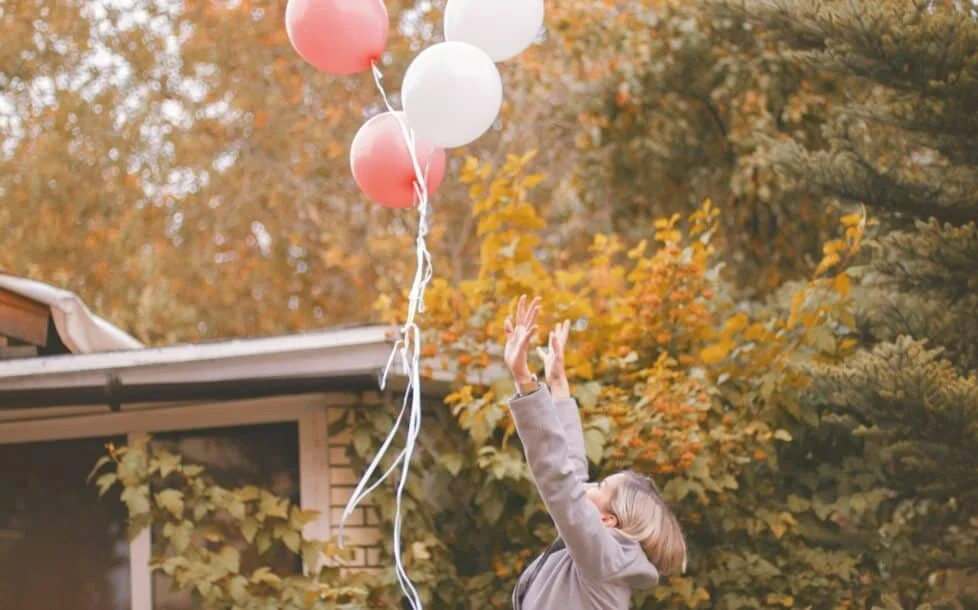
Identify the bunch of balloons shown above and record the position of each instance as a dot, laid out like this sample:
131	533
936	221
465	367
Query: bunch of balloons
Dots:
451	92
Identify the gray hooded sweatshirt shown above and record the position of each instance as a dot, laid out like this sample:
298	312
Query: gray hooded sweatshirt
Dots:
592	567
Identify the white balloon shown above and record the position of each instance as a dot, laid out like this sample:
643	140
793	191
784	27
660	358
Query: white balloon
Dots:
452	94
501	28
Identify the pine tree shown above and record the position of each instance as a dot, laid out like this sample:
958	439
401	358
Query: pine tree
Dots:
903	411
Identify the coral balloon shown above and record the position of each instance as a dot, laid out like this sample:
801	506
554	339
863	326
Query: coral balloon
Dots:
381	162
338	37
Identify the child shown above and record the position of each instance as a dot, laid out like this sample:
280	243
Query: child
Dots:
616	535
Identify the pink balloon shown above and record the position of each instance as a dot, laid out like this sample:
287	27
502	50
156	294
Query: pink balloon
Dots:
339	37
382	166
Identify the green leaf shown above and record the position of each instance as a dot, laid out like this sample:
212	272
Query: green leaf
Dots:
204	587
601	423
594	443
492	508
248	493
249	527
180	536
105	482
171	500
193	470
797	504
102	461
292	540
301	518
236	508
273	506
498	469
136	499
312	550
263	541
238	589
230	558
677	489
201	509
587	394
264	575
168	463
452	462
362	442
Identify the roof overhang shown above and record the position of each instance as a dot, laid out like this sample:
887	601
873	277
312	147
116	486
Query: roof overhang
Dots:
351	358
79	329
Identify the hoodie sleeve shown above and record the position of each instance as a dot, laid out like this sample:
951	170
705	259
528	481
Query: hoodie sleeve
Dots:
570	421
595	550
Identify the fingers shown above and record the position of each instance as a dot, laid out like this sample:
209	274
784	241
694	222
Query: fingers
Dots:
531	315
508	326
526	315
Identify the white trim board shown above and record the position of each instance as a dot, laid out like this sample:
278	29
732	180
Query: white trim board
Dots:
144	419
334	353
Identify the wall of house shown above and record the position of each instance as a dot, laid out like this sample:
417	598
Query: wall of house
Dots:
361	528
327	476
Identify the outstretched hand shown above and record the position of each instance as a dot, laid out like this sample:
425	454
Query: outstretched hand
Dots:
519	333
553	360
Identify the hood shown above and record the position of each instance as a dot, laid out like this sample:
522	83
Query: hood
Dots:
640	573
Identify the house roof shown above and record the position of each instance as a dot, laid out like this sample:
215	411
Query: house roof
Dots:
109	368
40	305
237	368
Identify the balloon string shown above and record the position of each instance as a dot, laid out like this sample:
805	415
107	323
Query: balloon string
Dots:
408	347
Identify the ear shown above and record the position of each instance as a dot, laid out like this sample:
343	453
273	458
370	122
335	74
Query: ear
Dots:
609	520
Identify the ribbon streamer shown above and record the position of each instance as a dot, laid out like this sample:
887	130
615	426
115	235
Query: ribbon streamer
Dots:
408	347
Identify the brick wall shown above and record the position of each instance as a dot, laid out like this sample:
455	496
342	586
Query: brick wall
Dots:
360	530
362	527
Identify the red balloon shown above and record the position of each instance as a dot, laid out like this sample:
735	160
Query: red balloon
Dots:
339	37
381	162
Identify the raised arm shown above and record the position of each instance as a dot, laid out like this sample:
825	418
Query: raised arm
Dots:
570	423
594	548
566	406
557	474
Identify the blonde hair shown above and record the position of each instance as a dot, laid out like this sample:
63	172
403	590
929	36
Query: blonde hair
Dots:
643	516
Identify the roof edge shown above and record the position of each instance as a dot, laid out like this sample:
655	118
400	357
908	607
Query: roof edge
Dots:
79	329
311	358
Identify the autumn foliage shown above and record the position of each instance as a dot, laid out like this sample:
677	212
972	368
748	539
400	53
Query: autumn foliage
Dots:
669	372
680	179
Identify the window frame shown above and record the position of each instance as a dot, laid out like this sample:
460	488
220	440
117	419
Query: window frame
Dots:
308	411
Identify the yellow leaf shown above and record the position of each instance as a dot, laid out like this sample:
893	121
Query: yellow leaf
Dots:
842	284
851	220
784	600
796	302
469	168
833	247
827	263
670	236
638	250
736	323
533	180
715	353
